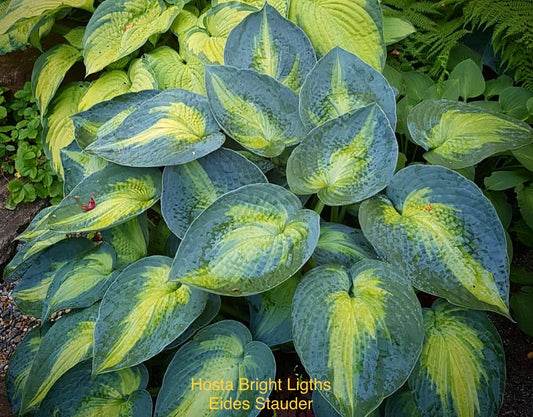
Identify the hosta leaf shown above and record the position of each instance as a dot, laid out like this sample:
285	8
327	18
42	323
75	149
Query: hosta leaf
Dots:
396	29
119	193
174	127
356	26
58	128
173	70
248	241
270	313
461	371
81	283
115	394
88	122
282	6
402	404
119	27
187	19
525	156
48	72
19	367
270	44
221	351
75	37
68	342
340	83
30	293
157	311
321	407
20	10
345	160
522	305
19	36
360	329
141	75
440	229
342	245
458	135
190	188
524	195
129	239
256	110
109	85
78	165
208	39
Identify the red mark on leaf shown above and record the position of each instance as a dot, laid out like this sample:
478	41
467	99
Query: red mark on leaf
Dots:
429	207
127	27
88	207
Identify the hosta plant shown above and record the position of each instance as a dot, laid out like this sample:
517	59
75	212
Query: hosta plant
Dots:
257	166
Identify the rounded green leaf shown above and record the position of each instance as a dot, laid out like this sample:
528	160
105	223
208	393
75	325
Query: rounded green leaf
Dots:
339	83
354	25
118	193
255	109
444	233
342	245
401	404
115	394
525	156
248	241
461	371
470	79
268	43
458	135
522	305
360	329
156	312
345	160
120	27
68	342
524	195
174	127
223	356
190	188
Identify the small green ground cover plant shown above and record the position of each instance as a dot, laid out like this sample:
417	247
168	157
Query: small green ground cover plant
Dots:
238	179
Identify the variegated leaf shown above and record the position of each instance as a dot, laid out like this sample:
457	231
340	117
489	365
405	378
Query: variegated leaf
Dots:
256	110
354	25
78	165
187	19
48	72
115	394
88	122
282	6
458	135
339	83
58	128
157	311
444	233
109	85
120	27
342	245
321	407
345	160
360	329
30	293
19	36
68	342
222	351
208	39
270	44
129	239
248	241
173	127
141	75
20	365
81	283
173	70
115	194
270	313
190	188
461	371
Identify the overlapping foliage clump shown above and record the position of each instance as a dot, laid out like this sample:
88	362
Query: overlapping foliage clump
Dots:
242	154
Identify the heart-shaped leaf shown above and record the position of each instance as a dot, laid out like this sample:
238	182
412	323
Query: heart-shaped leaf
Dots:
248	241
360	329
256	110
458	135
157	311
77	165
461	371
224	353
346	159
443	232
190	188
339	83
174	127
268	43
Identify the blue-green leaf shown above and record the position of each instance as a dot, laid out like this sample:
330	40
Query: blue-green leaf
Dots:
443	232
360	329
345	160
248	241
190	188
401	404
78	165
